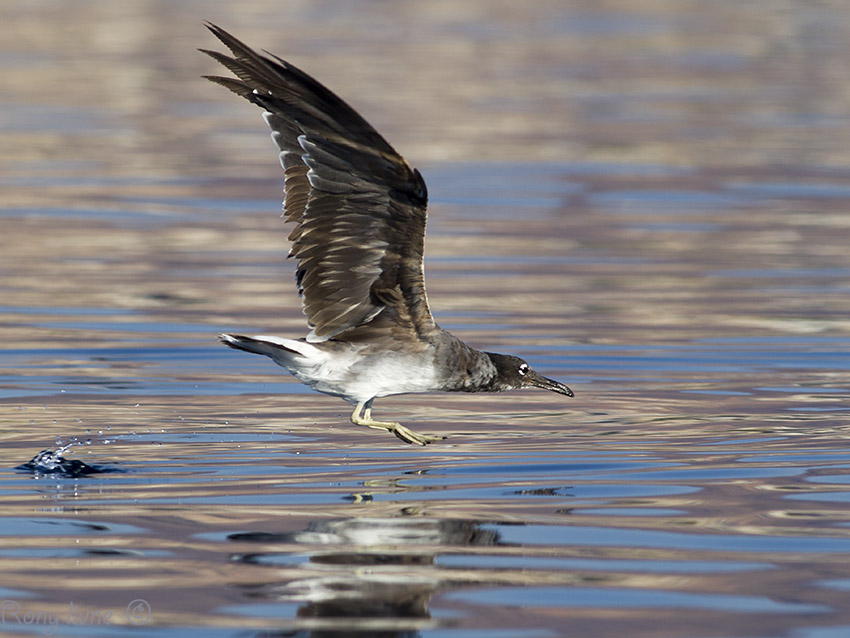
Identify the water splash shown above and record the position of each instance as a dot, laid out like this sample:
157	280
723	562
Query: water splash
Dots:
53	461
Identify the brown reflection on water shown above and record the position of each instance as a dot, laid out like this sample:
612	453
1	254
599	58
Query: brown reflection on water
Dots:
646	200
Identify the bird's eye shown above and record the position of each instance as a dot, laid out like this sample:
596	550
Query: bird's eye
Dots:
523	369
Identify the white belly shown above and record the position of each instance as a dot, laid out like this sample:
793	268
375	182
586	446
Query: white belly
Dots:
357	378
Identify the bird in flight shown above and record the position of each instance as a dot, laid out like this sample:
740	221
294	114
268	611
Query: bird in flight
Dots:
359	211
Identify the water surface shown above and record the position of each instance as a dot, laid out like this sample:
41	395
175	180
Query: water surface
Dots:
648	203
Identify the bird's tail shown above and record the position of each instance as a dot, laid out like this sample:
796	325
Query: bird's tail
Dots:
278	348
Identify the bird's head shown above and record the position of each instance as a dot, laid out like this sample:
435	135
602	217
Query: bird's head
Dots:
514	373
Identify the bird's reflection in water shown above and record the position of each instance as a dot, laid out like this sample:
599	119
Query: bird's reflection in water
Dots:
365	574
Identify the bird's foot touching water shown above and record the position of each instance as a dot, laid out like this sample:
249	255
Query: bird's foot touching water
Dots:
405	434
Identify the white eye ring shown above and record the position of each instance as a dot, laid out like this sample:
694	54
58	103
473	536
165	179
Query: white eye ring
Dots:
523	369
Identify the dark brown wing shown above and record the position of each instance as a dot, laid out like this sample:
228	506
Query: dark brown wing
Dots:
358	207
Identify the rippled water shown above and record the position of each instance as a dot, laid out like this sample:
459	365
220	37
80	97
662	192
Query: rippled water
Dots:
647	201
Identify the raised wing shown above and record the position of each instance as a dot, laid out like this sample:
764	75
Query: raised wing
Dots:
358	207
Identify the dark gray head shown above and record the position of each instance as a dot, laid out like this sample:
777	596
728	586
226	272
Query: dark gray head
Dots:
514	373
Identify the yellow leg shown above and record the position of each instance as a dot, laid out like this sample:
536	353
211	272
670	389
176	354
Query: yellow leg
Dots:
406	435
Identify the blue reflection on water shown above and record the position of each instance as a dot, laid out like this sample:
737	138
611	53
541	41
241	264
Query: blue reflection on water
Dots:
613	537
620	598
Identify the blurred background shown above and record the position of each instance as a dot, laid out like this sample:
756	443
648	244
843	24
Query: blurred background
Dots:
669	138
648	200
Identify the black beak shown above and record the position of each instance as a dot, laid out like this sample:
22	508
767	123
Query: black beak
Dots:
539	381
